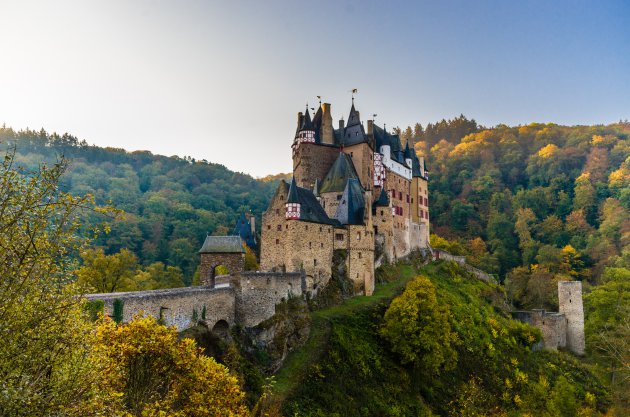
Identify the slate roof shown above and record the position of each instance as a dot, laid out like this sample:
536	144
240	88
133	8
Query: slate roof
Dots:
243	228
307	124
293	193
382	137
222	244
408	152
340	172
310	209
383	199
351	210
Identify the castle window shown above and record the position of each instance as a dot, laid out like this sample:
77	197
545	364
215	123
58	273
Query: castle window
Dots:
359	255
310	245
320	228
277	241
286	227
277	211
268	227
358	235
279	227
338	236
400	195
338	197
381	212
351	154
306	227
407	198
314	262
281	197
321	245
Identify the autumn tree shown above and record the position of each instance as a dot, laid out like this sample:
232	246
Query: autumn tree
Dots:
146	370
418	328
108	273
44	341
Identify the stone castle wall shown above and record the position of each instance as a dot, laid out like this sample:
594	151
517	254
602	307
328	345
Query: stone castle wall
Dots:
175	306
247	299
259	292
311	162
553	326
360	259
363	159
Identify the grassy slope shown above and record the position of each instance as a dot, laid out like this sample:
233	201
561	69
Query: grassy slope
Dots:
347	369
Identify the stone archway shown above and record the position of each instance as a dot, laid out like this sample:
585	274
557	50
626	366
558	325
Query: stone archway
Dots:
222	329
220	250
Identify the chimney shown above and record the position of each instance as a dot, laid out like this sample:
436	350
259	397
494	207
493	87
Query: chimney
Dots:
341	124
327	129
299	119
370	127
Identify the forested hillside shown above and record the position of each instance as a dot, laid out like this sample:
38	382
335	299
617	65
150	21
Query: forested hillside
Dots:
169	203
530	203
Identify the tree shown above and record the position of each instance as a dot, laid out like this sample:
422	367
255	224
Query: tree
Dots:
43	337
418	328
607	327
108	273
145	370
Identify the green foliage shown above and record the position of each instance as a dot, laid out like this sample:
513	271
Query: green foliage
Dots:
94	308
170	204
351	372
118	307
44	334
418	329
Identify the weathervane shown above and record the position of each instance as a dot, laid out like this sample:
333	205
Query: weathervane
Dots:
354	91
320	100
374	117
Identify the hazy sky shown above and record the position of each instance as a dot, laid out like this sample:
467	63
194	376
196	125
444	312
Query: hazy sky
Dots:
223	80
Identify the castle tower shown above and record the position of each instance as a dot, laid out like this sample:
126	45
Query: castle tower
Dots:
570	304
293	203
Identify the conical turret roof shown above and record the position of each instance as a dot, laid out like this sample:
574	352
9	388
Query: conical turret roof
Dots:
307	124
293	192
383	199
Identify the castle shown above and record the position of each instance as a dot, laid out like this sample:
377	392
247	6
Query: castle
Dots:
355	189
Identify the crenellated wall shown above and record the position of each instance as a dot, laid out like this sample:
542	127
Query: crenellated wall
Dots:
246	299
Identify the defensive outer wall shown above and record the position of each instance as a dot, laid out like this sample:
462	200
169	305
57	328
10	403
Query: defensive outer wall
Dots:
246	299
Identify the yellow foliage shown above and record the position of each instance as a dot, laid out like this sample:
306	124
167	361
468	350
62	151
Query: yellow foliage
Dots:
548	151
146	371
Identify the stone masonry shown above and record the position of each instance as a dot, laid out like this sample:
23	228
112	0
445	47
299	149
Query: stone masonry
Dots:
248	299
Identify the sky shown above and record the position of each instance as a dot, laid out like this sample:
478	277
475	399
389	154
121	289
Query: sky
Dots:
224	80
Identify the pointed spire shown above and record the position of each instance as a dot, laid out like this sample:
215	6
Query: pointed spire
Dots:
408	151
354	117
293	192
307	124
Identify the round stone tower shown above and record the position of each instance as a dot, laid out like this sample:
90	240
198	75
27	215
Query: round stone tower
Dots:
570	304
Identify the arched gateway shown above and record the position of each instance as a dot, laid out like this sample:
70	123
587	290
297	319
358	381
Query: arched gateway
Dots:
220	250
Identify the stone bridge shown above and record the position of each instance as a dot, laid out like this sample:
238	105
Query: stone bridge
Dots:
247	299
